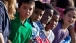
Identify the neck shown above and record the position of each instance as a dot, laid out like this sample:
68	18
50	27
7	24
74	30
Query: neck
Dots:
22	19
46	29
31	19
65	26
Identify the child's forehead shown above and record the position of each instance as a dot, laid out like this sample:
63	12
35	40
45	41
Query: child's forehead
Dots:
55	17
71	12
38	9
29	3
49	10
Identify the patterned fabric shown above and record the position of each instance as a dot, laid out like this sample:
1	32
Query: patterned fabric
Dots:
40	25
35	30
42	38
4	22
51	36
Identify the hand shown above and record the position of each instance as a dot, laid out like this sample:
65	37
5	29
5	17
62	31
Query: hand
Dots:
9	41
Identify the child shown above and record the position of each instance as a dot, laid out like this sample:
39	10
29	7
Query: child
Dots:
36	16
42	23
61	31
21	29
51	25
46	17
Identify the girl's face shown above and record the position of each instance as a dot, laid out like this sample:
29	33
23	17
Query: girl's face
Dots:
70	17
53	22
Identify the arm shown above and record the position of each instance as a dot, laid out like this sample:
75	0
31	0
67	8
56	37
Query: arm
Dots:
1	38
1	19
72	34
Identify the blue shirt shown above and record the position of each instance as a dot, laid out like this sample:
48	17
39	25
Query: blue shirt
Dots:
42	37
35	29
4	22
40	25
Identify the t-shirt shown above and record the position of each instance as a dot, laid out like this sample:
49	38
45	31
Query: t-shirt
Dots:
59	33
4	22
20	33
66	40
50	36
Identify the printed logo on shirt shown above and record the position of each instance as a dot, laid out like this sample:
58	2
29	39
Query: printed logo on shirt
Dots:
42	38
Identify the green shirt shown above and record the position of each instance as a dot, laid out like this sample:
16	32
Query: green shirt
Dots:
20	33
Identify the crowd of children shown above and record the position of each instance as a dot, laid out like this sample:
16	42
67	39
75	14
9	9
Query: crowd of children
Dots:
37	21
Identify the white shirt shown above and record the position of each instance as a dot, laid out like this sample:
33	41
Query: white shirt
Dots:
50	35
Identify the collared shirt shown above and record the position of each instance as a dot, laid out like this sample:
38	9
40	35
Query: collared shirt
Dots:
20	33
35	29
40	25
42	37
4	22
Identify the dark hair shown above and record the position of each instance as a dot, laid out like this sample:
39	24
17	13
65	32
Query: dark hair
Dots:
48	6
55	13
66	10
25	1
39	5
63	3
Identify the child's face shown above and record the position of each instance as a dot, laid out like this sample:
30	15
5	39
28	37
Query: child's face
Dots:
70	17
26	10
37	14
47	16
53	22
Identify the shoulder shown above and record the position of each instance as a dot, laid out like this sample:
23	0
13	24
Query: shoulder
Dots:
1	3
51	32
28	23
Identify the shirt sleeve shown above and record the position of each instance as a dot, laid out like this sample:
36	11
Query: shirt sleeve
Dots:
1	18
71	26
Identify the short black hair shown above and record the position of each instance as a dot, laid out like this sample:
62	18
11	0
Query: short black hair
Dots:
56	12
68	9
39	5
48	6
25	1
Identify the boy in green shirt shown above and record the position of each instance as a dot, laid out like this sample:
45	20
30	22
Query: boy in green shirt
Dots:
21	29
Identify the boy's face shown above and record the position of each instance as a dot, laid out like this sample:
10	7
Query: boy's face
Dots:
53	22
37	14
26	10
47	16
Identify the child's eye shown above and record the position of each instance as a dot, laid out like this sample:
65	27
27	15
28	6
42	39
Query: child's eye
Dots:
24	7
40	14
30	9
36	12
56	20
74	17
